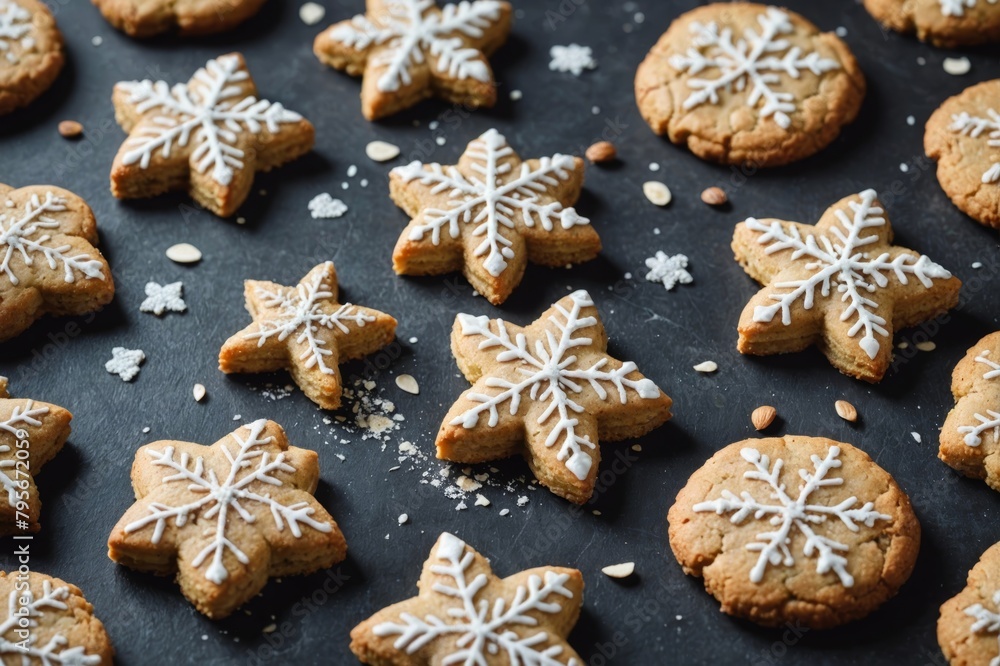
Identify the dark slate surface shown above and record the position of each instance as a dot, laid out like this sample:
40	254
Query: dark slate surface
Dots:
660	617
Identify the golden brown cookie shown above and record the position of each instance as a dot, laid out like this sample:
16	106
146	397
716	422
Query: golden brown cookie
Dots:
408	50
208	136
226	517
31	52
40	429
548	391
491	214
840	285
795	529
305	330
968	629
747	83
963	135
970	436
48	260
48	622
945	23
144	18
465	614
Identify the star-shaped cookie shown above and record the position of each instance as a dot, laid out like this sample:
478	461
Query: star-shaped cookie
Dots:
145	18
40	429
970	436
840	285
491	214
547	391
408	50
226	517
465	614
48	260
305	329
208	136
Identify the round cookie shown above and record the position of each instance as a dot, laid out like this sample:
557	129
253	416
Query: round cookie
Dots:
145	18
720	81
31	52
945	23
963	135
967	627
795	529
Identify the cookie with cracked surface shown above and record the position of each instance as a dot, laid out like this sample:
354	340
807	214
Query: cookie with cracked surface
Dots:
743	83
963	135
145	18
31	52
944	23
795	529
968	628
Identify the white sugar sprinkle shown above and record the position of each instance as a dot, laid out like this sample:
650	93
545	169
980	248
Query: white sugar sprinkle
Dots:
403	518
325	207
516	95
707	366
311	13
957	66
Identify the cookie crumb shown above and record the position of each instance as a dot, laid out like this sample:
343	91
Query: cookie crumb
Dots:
957	66
657	192
707	366
325	207
382	151
573	58
522	500
408	383
184	253
623	570
481	500
70	129
311	13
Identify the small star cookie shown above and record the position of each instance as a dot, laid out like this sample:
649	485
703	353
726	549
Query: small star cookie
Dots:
49	262
795	529
31	52
968	628
944	23
408	50
39	428
208	136
970	436
491	214
226	517
465	614
63	630
840	285
305	330
145	18
742	83
547	390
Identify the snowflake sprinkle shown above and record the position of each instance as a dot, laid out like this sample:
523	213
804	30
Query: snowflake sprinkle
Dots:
669	271
787	514
163	298
573	58
125	362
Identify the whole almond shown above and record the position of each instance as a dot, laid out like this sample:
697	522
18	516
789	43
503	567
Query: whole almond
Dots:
602	151
763	416
70	129
846	410
714	196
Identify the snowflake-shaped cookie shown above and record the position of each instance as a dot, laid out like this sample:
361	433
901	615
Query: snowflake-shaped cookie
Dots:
163	298
409	49
48	259
305	330
465	614
227	516
49	623
668	271
840	284
489	214
547	390
145	18
44	428
209	136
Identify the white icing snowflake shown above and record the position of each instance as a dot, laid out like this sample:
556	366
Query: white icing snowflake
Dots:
125	362
551	374
573	58
410	33
974	434
974	126
24	612
986	621
213	114
163	298
787	514
19	419
490	200
481	629
840	261
216	500
15	24
958	7
325	207
25	234
756	61
669	271
302	312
